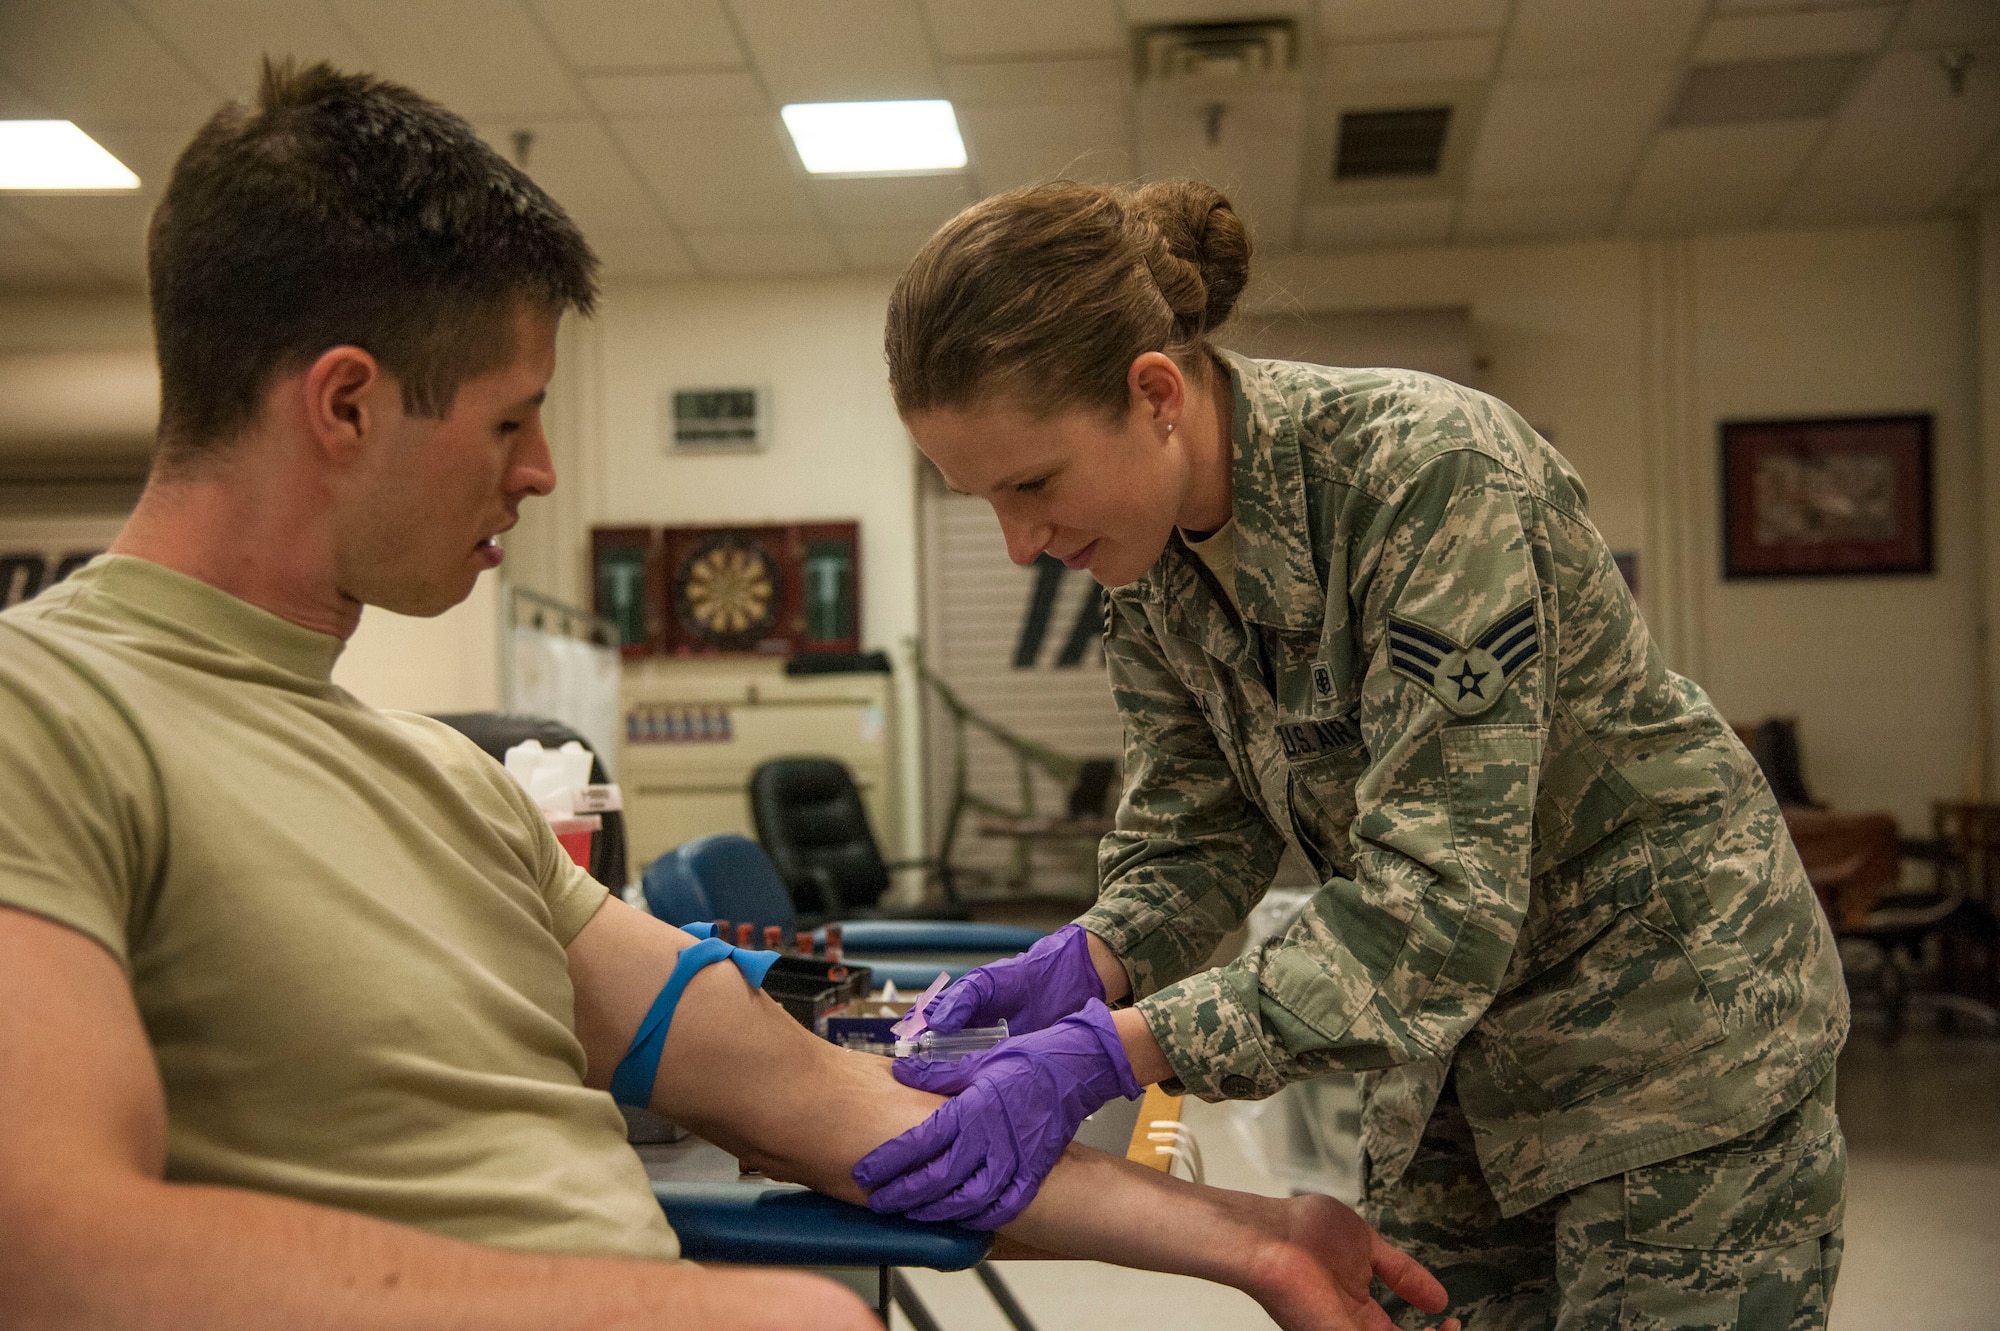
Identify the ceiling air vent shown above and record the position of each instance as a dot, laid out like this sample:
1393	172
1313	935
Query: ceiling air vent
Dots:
1181	52
1765	90
1376	144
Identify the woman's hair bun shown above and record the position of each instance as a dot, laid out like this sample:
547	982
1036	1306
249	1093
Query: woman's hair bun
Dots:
1207	259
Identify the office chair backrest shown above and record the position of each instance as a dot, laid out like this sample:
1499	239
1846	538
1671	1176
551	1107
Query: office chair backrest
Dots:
720	877
810	818
497	732
1775	746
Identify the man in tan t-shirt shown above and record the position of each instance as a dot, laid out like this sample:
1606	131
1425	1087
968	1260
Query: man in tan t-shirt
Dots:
305	1021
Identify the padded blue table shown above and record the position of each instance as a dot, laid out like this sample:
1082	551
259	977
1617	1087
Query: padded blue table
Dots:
721	1217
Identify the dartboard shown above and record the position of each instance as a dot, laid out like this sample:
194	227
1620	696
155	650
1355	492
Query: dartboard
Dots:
727	592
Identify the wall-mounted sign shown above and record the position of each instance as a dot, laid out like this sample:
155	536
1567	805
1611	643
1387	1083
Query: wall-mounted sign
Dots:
708	420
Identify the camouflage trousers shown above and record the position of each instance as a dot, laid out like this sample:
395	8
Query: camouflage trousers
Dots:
1743	1235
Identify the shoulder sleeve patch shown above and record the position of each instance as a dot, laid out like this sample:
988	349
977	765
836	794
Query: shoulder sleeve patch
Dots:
1471	679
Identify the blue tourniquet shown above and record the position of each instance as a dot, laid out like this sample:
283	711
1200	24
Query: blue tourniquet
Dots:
706	929
632	1082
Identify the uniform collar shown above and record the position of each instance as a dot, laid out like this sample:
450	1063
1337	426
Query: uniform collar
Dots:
1276	583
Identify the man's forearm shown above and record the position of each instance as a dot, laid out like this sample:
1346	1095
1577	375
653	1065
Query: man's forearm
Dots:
135	1252
747	1077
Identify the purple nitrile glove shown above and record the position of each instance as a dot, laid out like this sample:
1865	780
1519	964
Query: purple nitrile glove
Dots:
982	1156
1030	990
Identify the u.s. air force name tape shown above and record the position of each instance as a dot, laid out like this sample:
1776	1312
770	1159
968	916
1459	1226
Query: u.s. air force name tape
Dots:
1466	679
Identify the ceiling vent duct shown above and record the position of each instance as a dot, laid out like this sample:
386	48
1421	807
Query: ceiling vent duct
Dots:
1374	145
1181	53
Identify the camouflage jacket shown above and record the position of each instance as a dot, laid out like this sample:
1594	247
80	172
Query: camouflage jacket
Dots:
1548	865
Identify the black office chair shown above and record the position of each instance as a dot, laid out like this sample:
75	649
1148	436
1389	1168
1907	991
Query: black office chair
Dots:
497	732
813	825
1903	927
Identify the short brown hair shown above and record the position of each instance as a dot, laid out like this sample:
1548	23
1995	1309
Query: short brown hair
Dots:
1048	294
342	209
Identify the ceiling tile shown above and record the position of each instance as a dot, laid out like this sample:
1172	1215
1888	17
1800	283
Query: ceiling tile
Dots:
640	34
1717	177
1042	82
1760	6
1901	142
1348	20
1144	13
1585	37
1783	36
1433	60
1002	28
582	169
1489	217
839	50
724	172
890	201
1254	158
738	253
123	265
127	74
701	93
1336	226
17	103
484	61
1984	178
42	267
227	40
641	255
1948	23
1015	145
885	251
1567	135
90	218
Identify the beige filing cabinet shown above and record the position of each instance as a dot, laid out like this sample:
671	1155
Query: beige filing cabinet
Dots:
696	729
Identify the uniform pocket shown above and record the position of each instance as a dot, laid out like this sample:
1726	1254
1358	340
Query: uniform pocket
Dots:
1724	1199
1629	1002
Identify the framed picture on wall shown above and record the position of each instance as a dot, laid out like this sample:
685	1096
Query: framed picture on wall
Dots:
1808	498
626	583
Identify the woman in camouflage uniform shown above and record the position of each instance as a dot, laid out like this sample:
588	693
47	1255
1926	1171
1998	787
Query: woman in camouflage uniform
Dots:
1364	613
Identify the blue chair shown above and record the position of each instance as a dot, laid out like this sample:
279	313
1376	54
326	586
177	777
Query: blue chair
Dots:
729	877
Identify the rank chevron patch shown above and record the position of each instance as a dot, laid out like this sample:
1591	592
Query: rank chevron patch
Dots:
1466	679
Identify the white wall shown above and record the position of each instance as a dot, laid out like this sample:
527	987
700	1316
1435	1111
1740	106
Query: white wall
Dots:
1630	352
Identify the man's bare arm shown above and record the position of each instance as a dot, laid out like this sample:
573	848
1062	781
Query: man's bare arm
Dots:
95	1238
740	1072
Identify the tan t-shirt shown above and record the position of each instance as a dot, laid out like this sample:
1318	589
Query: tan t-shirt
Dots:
1218	551
344	927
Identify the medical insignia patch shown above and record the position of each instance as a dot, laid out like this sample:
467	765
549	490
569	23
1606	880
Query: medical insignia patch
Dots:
1466	679
1322	679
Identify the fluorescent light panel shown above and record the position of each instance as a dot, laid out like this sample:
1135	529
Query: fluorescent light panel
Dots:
56	155
875	138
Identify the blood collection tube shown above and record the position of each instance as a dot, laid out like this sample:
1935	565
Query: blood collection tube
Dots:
746	934
722	930
803	943
833	953
774	938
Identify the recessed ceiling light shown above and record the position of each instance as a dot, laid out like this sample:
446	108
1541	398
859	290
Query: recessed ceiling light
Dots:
56	155
875	138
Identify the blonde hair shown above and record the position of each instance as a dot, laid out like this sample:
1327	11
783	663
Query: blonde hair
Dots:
1048	293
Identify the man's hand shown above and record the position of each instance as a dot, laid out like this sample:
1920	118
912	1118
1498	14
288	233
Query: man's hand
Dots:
1030	991
1316	1273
